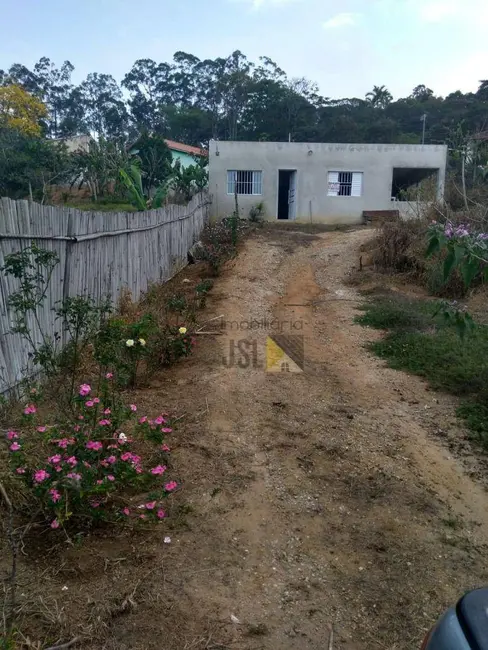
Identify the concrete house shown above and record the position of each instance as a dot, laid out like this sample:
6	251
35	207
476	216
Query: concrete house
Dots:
321	183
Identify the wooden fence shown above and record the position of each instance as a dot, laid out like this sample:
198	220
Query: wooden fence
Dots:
100	253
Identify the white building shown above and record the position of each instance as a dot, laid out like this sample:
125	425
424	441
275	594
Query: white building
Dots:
318	182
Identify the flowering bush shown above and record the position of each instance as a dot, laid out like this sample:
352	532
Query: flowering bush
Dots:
173	344
121	346
88	464
465	250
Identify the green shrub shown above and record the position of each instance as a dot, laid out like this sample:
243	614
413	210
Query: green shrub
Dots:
89	465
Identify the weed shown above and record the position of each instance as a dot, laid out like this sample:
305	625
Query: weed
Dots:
429	346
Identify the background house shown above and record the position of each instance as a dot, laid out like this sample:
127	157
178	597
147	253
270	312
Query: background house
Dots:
185	153
319	182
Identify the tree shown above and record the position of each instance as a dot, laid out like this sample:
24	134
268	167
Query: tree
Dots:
379	97
155	160
20	110
421	93
29	164
105	113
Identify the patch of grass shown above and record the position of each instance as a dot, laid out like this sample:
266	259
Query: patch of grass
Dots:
100	206
393	312
423	344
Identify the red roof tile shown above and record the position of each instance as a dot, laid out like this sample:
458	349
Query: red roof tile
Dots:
186	148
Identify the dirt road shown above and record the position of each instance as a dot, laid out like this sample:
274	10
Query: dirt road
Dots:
309	499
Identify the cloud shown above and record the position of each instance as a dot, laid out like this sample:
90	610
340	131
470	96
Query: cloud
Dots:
341	20
439	10
259	4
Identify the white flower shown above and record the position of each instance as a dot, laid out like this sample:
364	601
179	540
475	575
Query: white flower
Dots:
182	330
142	342
167	540
130	343
122	438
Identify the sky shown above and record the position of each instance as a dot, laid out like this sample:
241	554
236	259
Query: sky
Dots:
346	46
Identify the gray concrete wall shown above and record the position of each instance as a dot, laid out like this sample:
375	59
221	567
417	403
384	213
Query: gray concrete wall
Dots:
313	161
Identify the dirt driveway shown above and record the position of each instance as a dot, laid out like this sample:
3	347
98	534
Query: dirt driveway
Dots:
309	499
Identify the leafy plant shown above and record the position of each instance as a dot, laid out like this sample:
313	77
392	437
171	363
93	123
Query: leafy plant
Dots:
91	463
257	212
202	289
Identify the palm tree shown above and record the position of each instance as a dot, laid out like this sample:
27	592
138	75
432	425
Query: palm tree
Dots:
379	97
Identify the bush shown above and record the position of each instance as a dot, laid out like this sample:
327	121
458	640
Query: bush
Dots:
90	464
218	244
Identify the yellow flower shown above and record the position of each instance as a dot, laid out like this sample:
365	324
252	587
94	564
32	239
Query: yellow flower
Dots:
130	343
142	342
182	330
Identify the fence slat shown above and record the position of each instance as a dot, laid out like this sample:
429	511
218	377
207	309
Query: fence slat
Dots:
100	254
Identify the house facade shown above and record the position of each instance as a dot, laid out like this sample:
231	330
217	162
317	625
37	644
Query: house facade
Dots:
323	183
185	153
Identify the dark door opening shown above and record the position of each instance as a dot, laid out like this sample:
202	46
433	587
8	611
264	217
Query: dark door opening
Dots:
286	193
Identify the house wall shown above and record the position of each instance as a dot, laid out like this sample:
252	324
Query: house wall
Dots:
313	162
185	158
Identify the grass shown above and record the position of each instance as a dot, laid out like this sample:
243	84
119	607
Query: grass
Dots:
101	206
422	343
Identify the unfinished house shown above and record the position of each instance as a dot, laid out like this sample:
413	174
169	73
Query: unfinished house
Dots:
324	183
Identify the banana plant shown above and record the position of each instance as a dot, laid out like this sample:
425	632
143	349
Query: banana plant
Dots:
133	184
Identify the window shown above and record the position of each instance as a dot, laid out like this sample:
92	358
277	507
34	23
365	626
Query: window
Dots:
244	182
345	184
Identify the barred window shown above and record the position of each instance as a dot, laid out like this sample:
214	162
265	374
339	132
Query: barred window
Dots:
244	182
345	184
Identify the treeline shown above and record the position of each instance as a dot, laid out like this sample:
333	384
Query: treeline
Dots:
191	100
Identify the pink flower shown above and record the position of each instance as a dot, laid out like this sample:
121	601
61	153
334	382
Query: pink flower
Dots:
11	435
100	481
151	505
87	465
126	512
166	430
111	477
165	448
58	468
133	408
172	485
159	420
126	456
85	389
111	460
157	471
14	446
72	461
41	429
55	495
65	442
94	445
109	375
161	514
30	409
33	391
95	504
76	428
104	423
40	475
143	419
54	460
107	412
90	403
142	516
20	470
96	400
55	523
81	417
74	476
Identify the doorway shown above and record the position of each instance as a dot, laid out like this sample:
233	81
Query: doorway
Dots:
287	193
